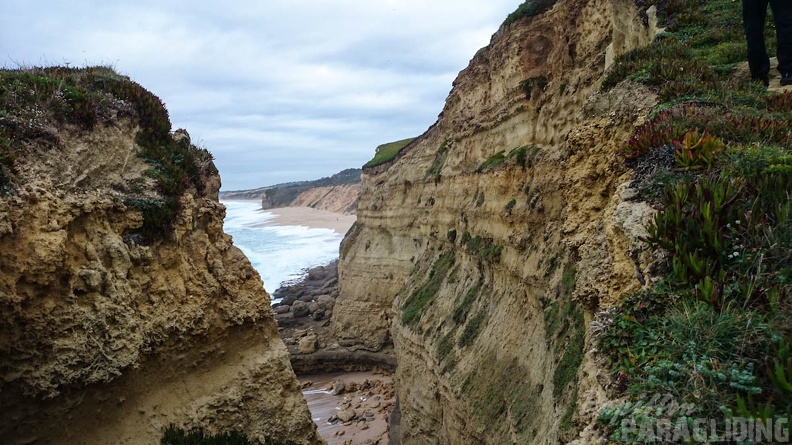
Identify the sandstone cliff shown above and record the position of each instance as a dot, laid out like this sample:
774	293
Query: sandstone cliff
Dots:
482	251
337	193
111	329
338	198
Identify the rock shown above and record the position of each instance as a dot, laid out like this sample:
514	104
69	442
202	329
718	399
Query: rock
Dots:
306	298
325	302
307	344
299	309
346	415
319	315
282	309
339	388
313	307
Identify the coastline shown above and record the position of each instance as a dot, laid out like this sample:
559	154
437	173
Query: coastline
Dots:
309	217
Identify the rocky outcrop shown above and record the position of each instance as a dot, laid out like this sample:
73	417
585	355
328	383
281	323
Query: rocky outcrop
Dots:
105	338
304	321
483	250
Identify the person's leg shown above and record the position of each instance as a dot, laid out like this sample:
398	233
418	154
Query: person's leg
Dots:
754	15
782	14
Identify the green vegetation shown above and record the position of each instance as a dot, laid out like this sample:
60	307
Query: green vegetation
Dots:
715	158
568	279
484	248
461	312
493	161
472	330
522	156
498	390
510	205
440	158
7	163
529	8
281	195
386	152
33	99
445	345
573	355
424	295
177	436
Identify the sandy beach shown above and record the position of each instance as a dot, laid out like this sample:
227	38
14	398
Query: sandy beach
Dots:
306	216
358	413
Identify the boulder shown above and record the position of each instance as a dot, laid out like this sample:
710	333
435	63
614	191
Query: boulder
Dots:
299	309
325	302
307	344
318	315
282	309
346	415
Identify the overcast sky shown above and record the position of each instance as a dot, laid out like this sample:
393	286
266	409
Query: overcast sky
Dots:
277	90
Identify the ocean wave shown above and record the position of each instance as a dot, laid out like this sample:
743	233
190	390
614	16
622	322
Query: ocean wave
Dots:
279	253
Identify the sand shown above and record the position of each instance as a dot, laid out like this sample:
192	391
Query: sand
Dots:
306	216
372	406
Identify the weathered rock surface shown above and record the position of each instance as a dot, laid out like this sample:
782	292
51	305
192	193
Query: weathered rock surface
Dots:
484	276
309	337
104	340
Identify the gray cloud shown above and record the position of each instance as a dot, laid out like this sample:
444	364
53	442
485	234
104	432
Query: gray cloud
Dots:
278	90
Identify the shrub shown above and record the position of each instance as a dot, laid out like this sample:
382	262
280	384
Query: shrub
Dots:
529	8
177	436
710	333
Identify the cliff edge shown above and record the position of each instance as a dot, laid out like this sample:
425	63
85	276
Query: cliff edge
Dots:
484	247
124	308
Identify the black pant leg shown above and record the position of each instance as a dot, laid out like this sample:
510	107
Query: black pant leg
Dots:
754	15
782	14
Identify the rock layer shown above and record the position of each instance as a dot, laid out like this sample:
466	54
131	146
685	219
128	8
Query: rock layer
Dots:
104	340
484	249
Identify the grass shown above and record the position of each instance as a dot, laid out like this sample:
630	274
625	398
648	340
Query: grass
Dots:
34	99
529	8
419	300
715	159
387	152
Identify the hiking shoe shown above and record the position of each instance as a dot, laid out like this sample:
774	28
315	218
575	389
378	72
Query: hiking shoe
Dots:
762	80
786	79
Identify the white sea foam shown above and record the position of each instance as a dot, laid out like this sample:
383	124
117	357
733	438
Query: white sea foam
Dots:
278	253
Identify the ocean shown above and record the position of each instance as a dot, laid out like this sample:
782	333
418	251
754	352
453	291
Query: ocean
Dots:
279	253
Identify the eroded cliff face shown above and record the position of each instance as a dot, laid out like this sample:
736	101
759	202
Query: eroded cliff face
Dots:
338	198
484	249
104	340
